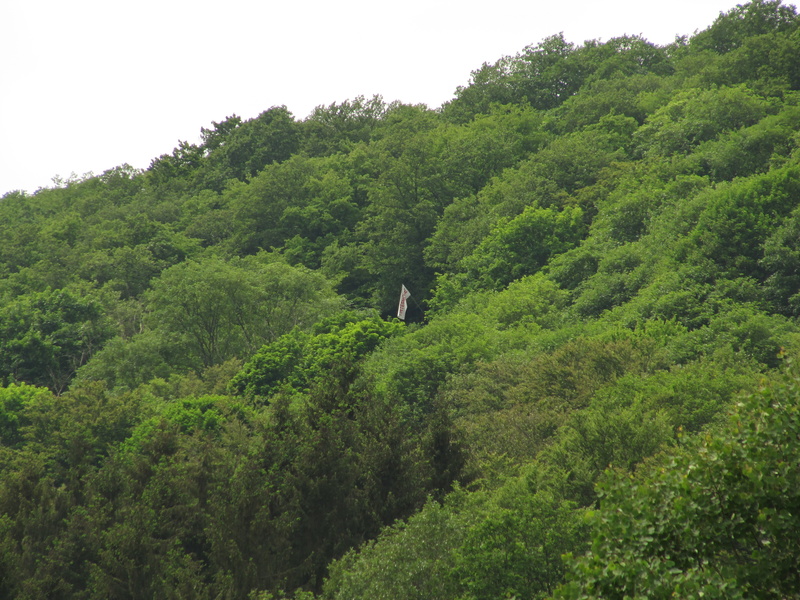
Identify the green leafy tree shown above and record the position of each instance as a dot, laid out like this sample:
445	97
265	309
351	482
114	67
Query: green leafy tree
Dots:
739	218
523	245
516	548
541	75
765	62
237	149
621	96
717	519
758	17
298	359
340	126
174	173
781	261
301	205
753	149
547	74
545	180
410	560
14	399
223	309
694	116
128	362
46	337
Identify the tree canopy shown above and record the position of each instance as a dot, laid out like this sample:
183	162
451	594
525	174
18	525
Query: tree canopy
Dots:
205	393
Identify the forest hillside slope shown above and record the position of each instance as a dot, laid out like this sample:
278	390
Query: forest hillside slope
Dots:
204	391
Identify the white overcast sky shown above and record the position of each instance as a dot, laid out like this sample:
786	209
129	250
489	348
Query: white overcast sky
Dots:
86	85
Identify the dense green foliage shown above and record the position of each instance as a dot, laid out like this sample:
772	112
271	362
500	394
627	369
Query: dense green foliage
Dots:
716	519
204	392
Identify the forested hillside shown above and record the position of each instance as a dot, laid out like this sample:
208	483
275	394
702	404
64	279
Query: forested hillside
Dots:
204	391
